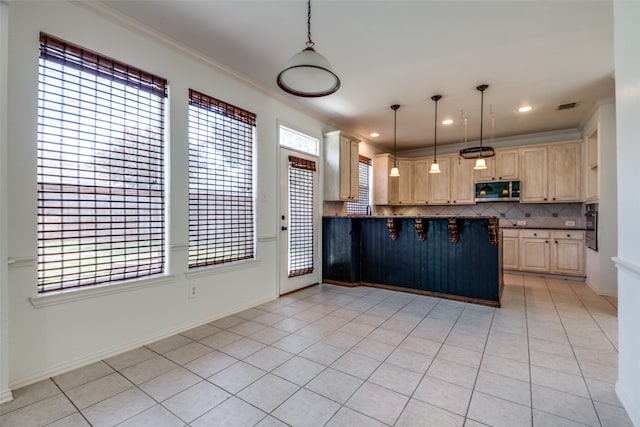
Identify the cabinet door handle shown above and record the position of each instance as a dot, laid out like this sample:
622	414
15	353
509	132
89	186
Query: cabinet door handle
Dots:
546	241
568	235
535	234
283	228
556	242
553	198
454	201
545	198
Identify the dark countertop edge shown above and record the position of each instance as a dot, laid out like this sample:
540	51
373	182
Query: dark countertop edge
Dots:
520	227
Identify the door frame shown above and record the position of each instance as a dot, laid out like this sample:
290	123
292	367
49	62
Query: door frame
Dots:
282	237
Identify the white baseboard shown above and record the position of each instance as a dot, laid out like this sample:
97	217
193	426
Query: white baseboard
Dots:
113	351
632	408
6	396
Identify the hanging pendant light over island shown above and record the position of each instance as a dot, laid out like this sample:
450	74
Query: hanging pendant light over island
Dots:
479	153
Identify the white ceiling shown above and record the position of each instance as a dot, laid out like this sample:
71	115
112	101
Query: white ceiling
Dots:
543	53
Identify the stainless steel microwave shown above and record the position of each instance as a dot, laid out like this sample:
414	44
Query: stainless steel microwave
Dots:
498	191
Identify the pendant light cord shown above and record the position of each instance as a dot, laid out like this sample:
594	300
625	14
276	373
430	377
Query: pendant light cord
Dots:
395	121
435	98
481	88
310	42
435	133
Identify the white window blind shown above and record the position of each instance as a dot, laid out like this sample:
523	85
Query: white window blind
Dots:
100	169
301	177
221	200
361	207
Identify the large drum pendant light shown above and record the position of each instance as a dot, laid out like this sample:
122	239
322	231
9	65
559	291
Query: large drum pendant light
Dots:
308	74
479	153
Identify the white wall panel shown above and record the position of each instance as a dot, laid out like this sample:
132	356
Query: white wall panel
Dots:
49	340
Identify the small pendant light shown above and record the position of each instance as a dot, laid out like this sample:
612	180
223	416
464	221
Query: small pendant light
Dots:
308	74
435	167
394	169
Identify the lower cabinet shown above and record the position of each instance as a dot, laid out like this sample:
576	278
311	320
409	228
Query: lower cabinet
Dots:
567	251
534	250
544	251
510	242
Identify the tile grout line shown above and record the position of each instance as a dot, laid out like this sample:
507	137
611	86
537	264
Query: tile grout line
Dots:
573	350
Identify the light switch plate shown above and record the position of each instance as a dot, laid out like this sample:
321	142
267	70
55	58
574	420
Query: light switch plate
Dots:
569	223
522	222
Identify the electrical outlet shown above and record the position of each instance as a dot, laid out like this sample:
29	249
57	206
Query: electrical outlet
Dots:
193	290
522	222
569	223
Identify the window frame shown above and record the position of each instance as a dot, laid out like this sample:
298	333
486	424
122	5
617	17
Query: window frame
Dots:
233	117
102	171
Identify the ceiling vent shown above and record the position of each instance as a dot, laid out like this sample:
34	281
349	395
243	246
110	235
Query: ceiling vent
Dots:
567	106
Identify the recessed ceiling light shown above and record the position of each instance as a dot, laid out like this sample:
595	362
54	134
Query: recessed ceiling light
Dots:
374	135
447	122
525	109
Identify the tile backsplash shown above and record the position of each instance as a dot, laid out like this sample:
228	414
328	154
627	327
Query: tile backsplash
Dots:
541	215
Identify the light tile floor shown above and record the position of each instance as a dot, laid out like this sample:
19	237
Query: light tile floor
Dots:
334	356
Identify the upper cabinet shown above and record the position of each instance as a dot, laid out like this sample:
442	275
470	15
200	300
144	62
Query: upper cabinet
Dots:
591	190
503	167
454	184
405	181
534	176
341	157
385	187
463	190
440	183
416	186
565	183
421	181
551	173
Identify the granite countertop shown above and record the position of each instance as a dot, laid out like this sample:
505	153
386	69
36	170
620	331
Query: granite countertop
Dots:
533	227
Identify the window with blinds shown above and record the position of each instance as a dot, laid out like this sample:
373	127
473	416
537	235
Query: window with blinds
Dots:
301	176
361	207
221	199
101	211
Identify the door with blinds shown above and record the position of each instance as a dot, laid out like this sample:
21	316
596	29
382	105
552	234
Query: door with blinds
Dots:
298	220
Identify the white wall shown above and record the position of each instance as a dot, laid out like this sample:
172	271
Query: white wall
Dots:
49	340
627	64
602	275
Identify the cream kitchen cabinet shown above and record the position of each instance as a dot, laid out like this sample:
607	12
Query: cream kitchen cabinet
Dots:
504	166
544	251
421	181
454	184
565	178
534	250
567	252
534	174
510	244
440	183
405	181
463	190
385	187
551	173
341	158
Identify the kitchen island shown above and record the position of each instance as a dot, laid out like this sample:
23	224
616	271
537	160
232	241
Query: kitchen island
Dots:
450	257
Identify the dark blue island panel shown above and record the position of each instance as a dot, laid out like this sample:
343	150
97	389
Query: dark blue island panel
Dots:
360	251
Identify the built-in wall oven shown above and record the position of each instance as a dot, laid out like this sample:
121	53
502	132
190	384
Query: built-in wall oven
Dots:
591	225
